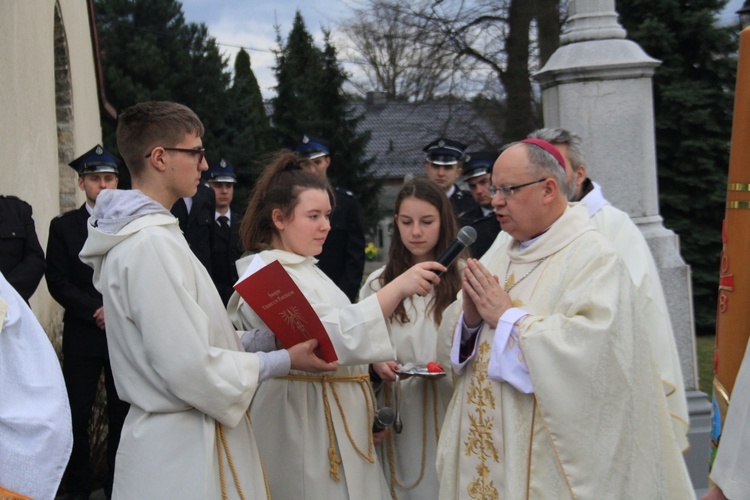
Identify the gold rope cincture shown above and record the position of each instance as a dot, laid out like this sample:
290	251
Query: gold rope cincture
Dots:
364	383
390	444
505	285
223	448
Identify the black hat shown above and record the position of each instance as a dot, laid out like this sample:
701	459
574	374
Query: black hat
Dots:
444	151
479	163
313	147
220	171
97	160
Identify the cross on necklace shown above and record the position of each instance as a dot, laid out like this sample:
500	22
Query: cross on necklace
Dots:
505	285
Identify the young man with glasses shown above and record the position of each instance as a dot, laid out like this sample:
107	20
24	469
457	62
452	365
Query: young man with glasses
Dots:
555	391
196	213
176	358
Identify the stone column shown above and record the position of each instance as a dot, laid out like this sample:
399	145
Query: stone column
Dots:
598	85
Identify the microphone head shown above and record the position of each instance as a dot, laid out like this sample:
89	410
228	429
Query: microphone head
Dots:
467	235
385	415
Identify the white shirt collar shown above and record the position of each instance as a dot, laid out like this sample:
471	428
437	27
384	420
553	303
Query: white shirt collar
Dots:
594	200
228	215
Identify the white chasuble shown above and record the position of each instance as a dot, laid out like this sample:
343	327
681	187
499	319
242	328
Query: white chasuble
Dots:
597	423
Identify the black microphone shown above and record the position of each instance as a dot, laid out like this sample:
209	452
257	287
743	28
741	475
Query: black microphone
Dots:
465	237
383	418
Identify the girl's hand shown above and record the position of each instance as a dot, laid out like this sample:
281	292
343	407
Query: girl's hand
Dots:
419	279
303	358
379	437
386	370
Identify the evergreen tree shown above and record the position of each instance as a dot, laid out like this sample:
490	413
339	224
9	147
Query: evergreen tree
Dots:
310	100
693	100
149	52
298	77
248	132
349	167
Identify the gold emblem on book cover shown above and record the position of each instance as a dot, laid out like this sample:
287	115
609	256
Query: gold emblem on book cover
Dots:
295	320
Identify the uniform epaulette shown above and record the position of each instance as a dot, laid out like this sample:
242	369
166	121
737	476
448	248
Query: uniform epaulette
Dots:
67	213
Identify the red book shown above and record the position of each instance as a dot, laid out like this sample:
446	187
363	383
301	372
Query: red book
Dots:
277	299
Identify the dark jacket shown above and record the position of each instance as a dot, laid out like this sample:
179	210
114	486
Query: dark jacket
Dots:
343	256
487	228
198	225
21	255
70	283
225	252
463	205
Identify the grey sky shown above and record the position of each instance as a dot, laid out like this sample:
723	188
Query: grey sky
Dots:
235	23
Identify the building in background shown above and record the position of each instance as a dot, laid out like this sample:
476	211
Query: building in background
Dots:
49	113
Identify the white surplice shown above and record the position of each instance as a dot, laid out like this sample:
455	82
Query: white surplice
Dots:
597	424
289	416
423	401
630	245
730	469
35	429
175	358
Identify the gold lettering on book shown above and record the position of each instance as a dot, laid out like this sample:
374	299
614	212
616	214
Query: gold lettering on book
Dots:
479	442
278	298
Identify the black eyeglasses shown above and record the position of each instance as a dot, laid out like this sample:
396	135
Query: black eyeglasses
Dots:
509	191
201	152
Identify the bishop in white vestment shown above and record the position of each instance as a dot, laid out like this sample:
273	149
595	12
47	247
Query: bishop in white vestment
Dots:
556	394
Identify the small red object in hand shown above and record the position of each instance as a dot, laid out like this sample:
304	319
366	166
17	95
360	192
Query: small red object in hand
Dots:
434	367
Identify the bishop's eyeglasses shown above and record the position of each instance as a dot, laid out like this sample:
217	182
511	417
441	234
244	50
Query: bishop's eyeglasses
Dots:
508	191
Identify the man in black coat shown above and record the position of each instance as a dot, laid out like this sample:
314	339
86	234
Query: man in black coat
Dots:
443	167
343	256
21	255
477	173
226	248
85	353
196	218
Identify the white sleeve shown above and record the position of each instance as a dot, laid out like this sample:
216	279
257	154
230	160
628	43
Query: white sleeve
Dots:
507	363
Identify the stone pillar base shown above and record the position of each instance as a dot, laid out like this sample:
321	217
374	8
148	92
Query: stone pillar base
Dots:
696	457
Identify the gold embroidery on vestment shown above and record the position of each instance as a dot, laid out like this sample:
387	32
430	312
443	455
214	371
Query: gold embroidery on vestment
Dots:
479	442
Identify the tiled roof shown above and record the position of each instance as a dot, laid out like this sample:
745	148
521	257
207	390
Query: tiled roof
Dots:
399	130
